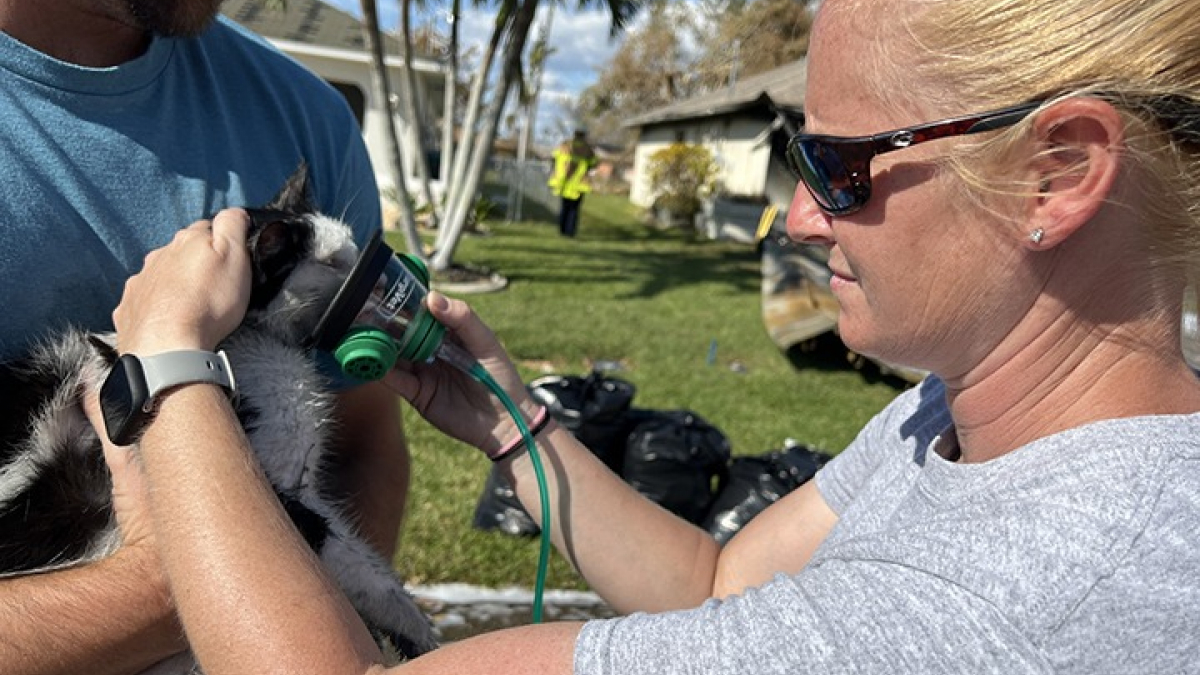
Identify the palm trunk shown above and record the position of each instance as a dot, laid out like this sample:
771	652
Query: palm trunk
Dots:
383	92
454	225
474	148
449	111
412	110
456	194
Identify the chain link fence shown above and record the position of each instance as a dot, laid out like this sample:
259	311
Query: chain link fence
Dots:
526	185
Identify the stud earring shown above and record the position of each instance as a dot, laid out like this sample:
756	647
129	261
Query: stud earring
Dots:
1036	236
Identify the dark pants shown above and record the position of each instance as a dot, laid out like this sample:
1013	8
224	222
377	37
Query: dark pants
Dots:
568	216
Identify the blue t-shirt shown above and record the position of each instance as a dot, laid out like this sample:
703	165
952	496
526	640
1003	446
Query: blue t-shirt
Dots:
102	165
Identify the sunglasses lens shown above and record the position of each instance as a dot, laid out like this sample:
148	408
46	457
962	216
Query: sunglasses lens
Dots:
824	174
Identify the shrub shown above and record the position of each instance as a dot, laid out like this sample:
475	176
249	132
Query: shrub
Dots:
681	175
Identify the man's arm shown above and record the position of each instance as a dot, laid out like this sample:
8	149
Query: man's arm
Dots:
253	596
372	467
112	617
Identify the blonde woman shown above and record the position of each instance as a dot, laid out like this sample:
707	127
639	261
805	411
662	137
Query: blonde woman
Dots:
1008	191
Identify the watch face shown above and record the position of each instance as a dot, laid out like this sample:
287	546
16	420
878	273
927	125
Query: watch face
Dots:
122	400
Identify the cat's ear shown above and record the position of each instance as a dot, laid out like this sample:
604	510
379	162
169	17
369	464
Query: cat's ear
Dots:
296	194
275	250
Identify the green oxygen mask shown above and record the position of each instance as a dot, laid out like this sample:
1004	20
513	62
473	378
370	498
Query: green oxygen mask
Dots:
379	314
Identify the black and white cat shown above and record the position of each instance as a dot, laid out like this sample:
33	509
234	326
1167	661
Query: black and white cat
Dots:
55	500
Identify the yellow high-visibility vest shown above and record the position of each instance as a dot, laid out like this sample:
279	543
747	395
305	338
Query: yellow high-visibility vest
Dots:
572	161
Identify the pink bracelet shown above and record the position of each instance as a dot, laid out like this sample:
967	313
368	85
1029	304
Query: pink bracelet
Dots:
539	422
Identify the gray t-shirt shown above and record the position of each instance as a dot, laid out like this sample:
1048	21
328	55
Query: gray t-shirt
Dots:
1078	553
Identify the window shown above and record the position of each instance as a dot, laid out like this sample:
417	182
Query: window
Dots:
354	96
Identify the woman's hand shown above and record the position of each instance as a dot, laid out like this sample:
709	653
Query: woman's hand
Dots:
190	293
451	400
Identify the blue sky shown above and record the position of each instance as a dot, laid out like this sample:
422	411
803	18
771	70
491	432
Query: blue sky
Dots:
580	40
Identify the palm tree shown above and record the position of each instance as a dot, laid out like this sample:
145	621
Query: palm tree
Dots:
513	23
383	92
514	20
412	106
455	215
473	156
450	98
527	102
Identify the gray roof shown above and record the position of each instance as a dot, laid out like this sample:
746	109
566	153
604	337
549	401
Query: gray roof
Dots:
310	22
783	87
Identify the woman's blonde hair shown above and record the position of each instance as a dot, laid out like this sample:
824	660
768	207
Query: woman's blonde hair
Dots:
1141	55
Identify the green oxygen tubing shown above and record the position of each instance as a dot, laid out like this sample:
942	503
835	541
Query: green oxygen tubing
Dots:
370	356
539	586
457	357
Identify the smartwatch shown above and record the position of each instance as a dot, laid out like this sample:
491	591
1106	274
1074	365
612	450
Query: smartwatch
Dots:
128	394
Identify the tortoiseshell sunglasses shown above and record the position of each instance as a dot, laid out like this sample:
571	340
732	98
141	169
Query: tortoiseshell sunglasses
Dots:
837	169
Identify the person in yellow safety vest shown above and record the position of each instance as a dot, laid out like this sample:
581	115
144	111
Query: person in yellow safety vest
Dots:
572	161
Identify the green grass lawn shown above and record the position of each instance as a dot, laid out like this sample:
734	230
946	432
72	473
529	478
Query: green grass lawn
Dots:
654	301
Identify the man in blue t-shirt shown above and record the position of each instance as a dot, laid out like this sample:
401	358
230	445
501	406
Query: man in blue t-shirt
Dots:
122	123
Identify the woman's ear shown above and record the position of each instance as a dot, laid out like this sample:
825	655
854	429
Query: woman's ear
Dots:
1082	141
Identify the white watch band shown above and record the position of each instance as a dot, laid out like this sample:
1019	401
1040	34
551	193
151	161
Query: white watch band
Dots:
172	369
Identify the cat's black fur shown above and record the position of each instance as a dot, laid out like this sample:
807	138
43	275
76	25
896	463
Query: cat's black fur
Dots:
55	491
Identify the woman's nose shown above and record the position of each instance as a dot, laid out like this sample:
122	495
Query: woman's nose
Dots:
806	223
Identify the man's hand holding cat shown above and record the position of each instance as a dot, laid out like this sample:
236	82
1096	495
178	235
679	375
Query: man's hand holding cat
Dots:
128	484
190	293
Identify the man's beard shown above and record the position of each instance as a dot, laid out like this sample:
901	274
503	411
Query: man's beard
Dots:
173	18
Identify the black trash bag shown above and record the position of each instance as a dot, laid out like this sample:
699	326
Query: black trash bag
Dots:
593	408
755	482
499	509
676	458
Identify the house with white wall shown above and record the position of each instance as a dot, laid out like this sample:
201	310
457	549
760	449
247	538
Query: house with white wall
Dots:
745	125
330	43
